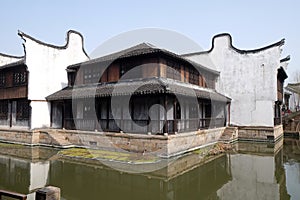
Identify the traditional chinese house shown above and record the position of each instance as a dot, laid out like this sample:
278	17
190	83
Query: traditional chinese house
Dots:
25	81
153	95
14	104
254	80
142	89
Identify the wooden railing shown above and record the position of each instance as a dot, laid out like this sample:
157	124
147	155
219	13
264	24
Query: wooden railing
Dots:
144	126
13	195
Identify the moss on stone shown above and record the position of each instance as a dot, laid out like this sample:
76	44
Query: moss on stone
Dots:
107	155
8	145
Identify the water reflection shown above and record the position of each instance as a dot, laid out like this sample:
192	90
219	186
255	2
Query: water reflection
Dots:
252	171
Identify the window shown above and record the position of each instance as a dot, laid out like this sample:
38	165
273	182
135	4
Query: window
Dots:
202	81
91	75
2	80
173	70
22	110
177	75
193	110
3	110
135	73
20	78
194	76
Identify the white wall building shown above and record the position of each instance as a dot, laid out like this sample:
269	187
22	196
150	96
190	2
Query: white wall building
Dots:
248	77
46	65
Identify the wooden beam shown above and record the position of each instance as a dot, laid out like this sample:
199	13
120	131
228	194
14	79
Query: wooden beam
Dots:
15	195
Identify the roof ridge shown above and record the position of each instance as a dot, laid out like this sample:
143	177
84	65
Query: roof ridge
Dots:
11	56
65	46
241	51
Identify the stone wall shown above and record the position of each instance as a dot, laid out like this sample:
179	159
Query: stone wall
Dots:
19	136
160	145
181	143
261	133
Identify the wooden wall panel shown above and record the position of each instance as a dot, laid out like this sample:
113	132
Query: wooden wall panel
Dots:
162	68
187	75
113	73
13	92
182	73
149	70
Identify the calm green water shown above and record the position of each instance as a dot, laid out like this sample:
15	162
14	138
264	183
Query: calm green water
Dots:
251	171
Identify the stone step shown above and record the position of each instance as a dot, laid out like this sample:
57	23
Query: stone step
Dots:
60	140
229	134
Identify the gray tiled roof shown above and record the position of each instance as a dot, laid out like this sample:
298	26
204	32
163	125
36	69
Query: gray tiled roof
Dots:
293	87
13	64
137	86
141	49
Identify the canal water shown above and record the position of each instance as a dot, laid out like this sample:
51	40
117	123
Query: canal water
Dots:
250	171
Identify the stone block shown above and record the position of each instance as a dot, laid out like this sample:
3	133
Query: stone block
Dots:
48	193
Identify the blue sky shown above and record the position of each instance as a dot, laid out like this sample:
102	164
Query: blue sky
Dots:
252	24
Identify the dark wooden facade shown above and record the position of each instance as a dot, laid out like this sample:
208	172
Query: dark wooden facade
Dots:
144	115
281	76
14	104
143	67
150	111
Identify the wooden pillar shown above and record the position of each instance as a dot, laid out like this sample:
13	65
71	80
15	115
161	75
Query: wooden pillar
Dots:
165	114
122	118
203	117
10	113
228	122
158	113
107	114
185	118
131	113
175	127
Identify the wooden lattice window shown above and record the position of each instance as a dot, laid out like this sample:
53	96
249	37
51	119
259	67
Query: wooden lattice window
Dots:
173	70
20	78
193	111
3	110
194	76
2	79
23	110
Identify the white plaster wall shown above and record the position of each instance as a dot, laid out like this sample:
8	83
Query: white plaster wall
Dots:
4	60
40	114
47	72
253	177
249	79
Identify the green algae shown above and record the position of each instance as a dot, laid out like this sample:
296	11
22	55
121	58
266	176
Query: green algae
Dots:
107	155
9	145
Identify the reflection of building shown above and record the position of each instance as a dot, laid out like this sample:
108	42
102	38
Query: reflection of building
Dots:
200	182
256	175
255	172
23	176
26	81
